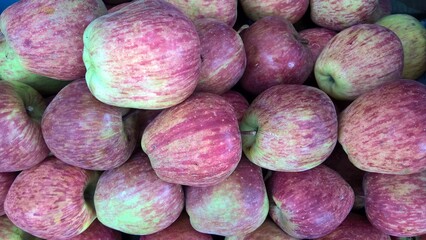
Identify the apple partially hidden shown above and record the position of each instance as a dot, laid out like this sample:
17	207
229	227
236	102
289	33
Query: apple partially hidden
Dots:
292	10
268	230
97	231
238	102
6	180
8	231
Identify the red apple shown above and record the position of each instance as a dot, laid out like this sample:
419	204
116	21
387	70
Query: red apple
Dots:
84	132
223	56
52	200
236	206
292	10
97	231
268	230
8	231
196	143
6	180
145	55
238	102
382	131
309	204
21	145
45	37
275	55
317	39
289	128
395	204
133	200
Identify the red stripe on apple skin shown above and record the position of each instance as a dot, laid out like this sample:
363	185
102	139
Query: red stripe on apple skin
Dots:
395	204
48	200
6	180
383	130
238	102
293	10
317	39
195	143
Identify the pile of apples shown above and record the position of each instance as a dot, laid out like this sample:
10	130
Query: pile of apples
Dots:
178	119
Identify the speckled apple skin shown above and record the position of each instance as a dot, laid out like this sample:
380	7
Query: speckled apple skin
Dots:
292	10
97	231
268	230
238	102
6	180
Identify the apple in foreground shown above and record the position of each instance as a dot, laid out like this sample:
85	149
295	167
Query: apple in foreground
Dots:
309	204
52	200
84	132
382	131
195	143
8	231
145	55
133	200
289	128
275	55
21	145
6	180
268	230
292	10
97	231
395	204
238	102
236	206
343	69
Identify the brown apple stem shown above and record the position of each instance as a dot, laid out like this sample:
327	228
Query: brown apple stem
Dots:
245	26
248	133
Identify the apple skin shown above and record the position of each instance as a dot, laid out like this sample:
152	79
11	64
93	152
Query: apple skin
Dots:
294	128
238	102
55	53
309	204
344	72
86	133
381	131
196	143
317	39
356	227
268	230
131	64
8	231
97	231
413	37
236	206
275	55
52	200
133	200
222	10
181	229
223	54
22	145
395	203
292	10
6	180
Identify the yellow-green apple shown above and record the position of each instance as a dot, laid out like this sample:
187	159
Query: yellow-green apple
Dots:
145	55
381	131
52	200
268	230
21	145
223	56
292	10
45	37
238	102
275	55
133	200
195	143
84	132
222	10
359	59
309	204
413	37
8	231
395	204
181	229
97	231
356	226
236	206
289	128
6	180
317	38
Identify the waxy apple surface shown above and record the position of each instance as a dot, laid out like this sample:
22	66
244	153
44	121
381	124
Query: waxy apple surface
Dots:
292	10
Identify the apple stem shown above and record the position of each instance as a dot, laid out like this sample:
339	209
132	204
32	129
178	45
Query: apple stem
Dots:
249	133
304	41
245	26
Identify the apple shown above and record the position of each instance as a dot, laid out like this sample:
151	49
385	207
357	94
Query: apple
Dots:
309	204
133	200
381	131
268	230
292	10
413	37
180	229
8	231
289	128
238	102
146	55
275	55
97	231
196	143
223	56
6	180
384	8
236	206
84	132
222	10
52	200
21	145
356	226
395	203
317	38
343	69
44	37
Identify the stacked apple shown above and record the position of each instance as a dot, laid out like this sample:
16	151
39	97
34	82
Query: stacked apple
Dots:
163	120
